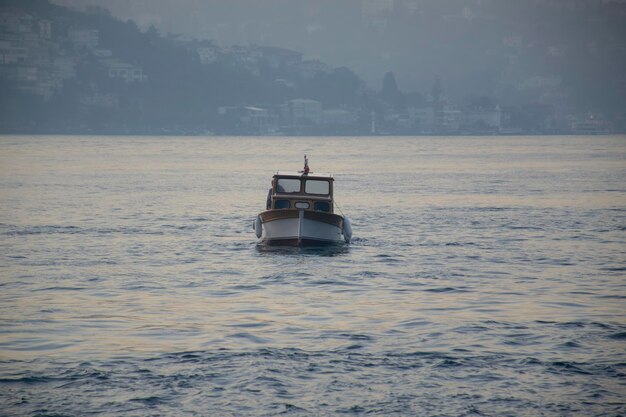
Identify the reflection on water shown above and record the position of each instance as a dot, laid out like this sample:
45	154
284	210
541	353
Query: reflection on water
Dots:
485	277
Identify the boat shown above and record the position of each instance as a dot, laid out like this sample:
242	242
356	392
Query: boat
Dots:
300	211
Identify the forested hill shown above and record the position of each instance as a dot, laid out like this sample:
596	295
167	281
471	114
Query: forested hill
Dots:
462	67
65	70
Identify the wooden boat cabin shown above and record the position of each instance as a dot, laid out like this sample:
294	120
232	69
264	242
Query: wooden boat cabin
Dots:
295	190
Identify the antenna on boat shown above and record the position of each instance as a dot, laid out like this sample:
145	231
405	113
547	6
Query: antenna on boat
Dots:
306	165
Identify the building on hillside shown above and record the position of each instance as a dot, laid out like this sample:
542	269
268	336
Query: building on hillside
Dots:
31	79
483	119
118	69
373	7
310	68
337	117
13	22
247	57
279	58
245	54
375	13
423	119
103	100
207	54
590	124
283	82
248	120
84	38
530	118
64	67
102	53
10	53
45	29
304	112
27	74
449	120
434	119
259	121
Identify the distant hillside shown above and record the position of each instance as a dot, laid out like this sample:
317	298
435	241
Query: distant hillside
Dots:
568	53
482	67
64	70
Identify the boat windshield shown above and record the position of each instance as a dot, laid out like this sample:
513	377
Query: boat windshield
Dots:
317	187
288	185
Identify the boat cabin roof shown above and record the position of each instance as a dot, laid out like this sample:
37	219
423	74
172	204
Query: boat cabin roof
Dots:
299	174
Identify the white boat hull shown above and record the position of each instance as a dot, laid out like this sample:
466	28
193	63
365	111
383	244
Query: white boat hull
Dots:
291	227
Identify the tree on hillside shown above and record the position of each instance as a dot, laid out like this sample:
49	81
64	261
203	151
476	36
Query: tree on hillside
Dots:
390	92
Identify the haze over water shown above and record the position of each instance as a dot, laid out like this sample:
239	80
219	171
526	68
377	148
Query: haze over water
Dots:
486	277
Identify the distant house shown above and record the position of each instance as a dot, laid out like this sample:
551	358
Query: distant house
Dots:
102	53
244	54
304	112
84	38
374	7
338	117
590	125
259	121
16	22
279	57
27	74
375	13
308	69
127	72
207	54
423	118
483	119
64	67
45	29
249	120
31	79
106	100
449	120
440	119
10	22
247	57
10	54
392	120
284	82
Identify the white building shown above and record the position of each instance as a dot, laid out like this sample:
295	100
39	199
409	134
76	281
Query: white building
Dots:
423	118
12	55
250	119
27	74
375	7
305	112
207	54
45	29
123	70
102	53
106	100
259	120
484	118
338	117
64	67
448	120
84	38
279	57
374	13
309	68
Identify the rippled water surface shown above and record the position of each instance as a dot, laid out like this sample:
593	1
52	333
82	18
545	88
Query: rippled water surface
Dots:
486	277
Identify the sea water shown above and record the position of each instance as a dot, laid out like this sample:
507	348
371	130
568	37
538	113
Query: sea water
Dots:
486	276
